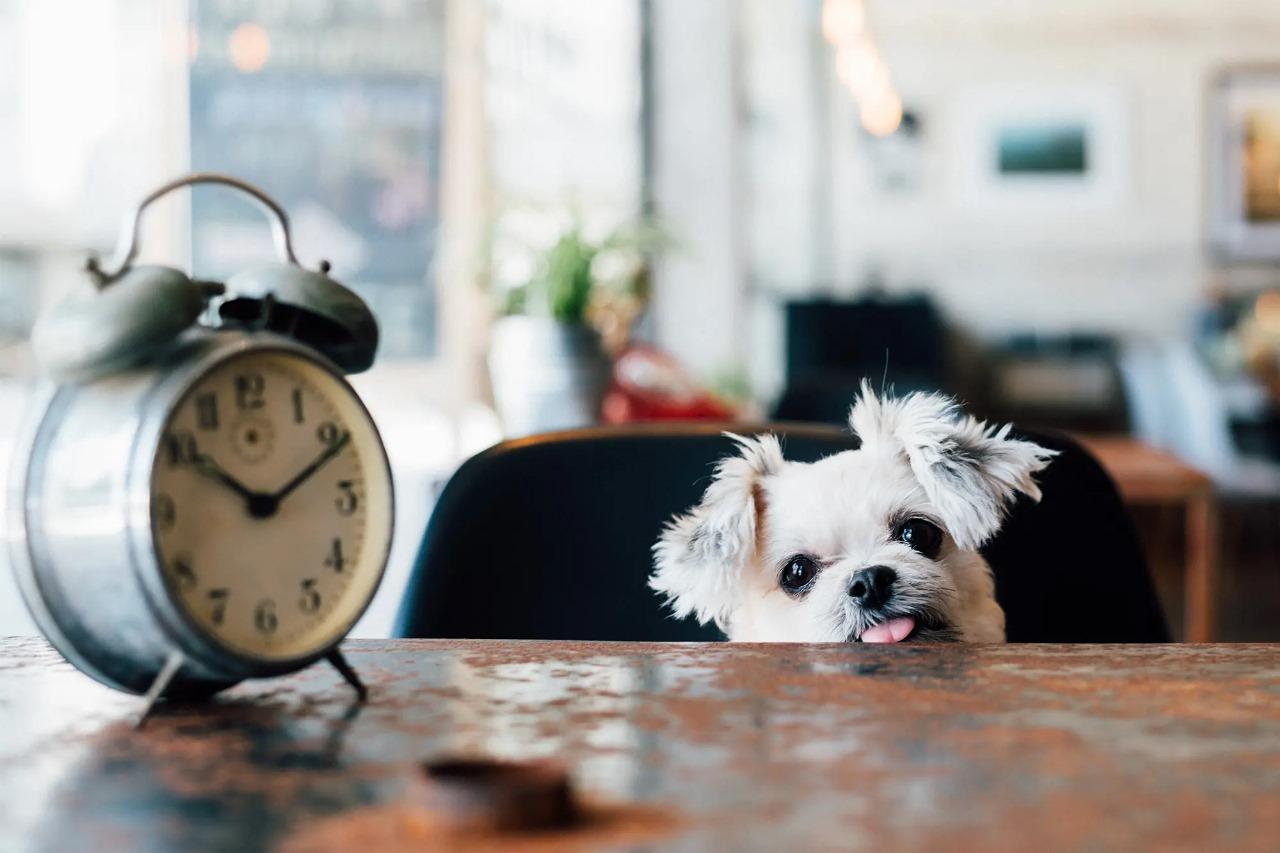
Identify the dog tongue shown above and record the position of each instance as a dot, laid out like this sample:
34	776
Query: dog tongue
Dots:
893	631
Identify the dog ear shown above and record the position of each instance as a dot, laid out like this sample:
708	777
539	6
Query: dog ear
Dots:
700	556
970	471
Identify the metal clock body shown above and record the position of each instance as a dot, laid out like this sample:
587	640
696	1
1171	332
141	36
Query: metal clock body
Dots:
200	496
92	561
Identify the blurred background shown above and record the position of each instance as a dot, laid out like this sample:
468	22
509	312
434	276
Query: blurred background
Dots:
568	211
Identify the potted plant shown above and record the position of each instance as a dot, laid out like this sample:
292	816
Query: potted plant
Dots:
548	359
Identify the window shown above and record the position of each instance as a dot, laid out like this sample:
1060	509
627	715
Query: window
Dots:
335	109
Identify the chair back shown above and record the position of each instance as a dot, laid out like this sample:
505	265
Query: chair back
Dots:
549	537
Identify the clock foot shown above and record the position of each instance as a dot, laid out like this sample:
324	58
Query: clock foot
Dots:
348	674
172	664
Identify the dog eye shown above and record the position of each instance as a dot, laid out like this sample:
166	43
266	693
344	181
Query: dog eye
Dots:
924	537
798	574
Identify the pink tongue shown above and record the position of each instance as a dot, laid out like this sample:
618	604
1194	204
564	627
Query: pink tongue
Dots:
893	631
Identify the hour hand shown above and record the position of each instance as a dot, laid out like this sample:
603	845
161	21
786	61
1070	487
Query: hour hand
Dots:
206	465
258	504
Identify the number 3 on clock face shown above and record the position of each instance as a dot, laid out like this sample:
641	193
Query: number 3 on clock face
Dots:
270	506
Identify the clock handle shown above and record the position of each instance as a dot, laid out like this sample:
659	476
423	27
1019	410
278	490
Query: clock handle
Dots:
127	245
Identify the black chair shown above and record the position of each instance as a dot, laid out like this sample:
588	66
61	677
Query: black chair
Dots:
549	538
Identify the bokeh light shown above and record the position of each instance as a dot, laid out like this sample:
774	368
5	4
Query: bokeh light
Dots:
249	47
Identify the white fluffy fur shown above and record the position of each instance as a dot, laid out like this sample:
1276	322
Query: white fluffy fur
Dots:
969	470
920	457
700	556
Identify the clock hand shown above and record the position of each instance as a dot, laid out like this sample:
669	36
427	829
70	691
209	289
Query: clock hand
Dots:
206	465
258	504
301	477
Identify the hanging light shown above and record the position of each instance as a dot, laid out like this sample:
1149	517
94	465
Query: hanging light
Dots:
861	70
843	21
859	66
882	114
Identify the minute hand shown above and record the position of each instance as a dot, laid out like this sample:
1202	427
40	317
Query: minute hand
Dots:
315	466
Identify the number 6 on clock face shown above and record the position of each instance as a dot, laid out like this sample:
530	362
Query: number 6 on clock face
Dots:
270	506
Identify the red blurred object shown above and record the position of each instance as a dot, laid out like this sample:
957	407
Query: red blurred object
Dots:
649	385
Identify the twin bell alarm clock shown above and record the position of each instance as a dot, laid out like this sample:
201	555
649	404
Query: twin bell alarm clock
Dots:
200	497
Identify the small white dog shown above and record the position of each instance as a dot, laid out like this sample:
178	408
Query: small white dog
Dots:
877	545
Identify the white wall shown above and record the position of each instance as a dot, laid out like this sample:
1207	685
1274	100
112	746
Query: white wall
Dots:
698	296
1133	263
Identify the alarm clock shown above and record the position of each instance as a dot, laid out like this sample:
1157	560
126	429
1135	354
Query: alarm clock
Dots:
200	496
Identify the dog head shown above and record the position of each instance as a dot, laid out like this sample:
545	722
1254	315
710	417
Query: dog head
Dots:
877	544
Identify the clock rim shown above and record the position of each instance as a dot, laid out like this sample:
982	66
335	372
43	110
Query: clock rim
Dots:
193	638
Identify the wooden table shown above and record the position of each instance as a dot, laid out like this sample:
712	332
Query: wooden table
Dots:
1148	475
712	746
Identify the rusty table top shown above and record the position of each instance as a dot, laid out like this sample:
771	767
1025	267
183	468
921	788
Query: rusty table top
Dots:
673	746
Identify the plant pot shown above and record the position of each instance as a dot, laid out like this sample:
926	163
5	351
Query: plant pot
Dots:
546	375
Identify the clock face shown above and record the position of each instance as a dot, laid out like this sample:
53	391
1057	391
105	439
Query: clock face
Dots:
271	505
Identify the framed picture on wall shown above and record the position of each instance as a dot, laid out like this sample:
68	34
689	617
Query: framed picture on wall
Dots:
1028	145
1244	164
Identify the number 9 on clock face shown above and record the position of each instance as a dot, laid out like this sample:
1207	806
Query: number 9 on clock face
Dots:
270	506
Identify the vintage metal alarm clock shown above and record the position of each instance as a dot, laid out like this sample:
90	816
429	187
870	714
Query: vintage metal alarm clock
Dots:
202	497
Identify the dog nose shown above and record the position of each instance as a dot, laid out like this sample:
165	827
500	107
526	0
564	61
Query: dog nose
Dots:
871	587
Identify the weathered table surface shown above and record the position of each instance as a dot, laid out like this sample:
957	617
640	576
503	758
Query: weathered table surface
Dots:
686	746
